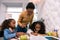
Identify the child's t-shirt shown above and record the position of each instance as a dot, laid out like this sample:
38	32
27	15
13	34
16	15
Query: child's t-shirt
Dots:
29	31
33	37
8	34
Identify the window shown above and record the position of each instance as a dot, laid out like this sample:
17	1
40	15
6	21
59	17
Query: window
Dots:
13	12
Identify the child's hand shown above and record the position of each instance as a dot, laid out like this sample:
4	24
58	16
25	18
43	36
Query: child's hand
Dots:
20	33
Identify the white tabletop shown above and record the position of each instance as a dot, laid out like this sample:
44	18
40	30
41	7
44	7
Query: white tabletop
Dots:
32	37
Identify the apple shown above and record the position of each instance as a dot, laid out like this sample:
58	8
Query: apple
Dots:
23	37
49	33
54	34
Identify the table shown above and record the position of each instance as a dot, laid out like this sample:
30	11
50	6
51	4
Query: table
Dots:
32	37
51	38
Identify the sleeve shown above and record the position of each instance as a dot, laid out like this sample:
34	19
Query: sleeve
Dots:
7	35
20	19
29	31
31	19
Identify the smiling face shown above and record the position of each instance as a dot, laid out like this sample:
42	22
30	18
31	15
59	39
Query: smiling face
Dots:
37	27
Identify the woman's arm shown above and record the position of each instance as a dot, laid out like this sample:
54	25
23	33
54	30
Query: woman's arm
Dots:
20	19
31	19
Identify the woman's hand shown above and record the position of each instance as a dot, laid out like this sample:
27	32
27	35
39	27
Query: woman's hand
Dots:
23	25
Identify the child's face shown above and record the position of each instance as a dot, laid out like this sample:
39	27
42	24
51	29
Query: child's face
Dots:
37	27
12	23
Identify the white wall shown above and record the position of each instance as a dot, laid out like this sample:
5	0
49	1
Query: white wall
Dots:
51	14
39	7
24	2
3	7
2	12
14	1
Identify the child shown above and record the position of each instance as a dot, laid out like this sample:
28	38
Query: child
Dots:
37	28
9	29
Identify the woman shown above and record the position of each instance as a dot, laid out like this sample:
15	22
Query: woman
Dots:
25	18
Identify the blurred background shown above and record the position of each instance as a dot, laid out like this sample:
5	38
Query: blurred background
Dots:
47	10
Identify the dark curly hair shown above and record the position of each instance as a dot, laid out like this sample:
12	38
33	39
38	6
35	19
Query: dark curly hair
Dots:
30	5
42	29
6	23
